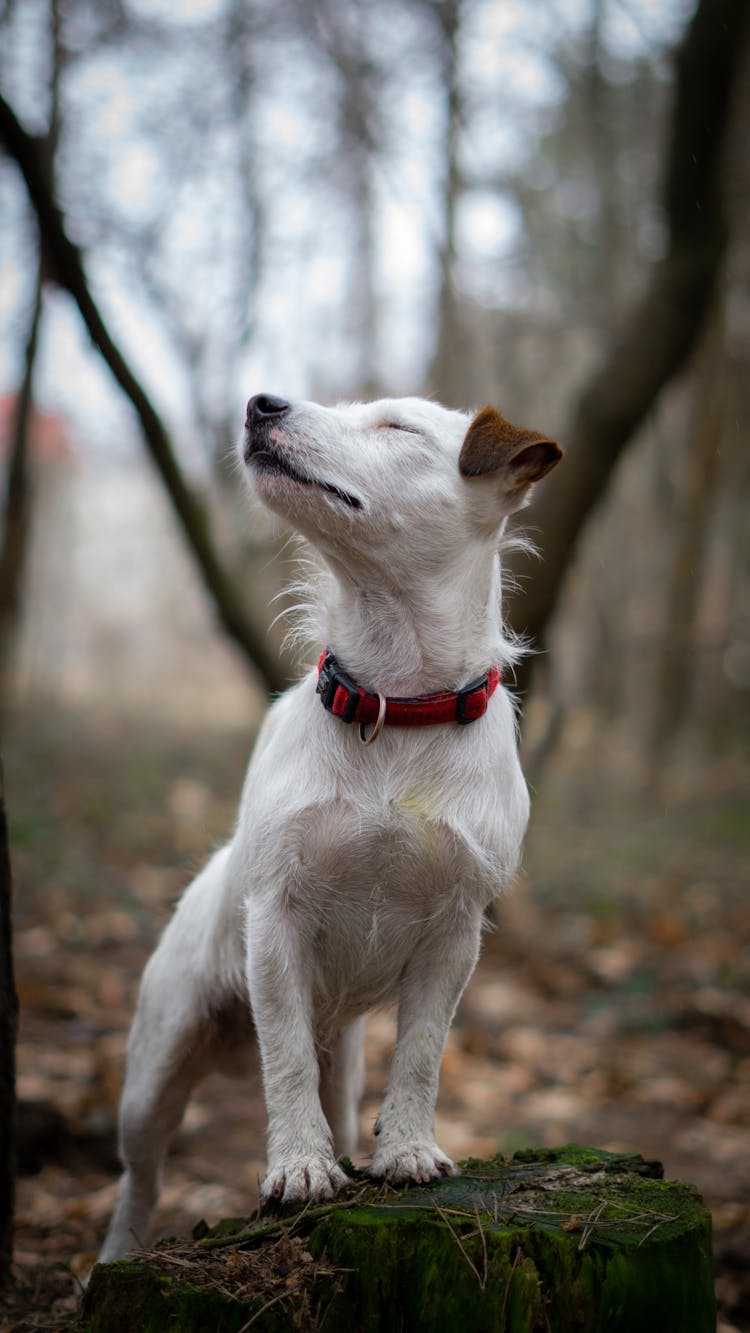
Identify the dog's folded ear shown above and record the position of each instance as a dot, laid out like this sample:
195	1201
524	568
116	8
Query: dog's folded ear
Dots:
492	444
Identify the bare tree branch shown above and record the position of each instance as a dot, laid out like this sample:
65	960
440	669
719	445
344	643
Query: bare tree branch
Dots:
65	265
663	329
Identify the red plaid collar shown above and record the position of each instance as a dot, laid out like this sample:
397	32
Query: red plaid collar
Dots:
342	697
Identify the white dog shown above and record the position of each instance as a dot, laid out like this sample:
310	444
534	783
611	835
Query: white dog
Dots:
384	807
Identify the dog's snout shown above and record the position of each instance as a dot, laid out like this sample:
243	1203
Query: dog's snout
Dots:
264	407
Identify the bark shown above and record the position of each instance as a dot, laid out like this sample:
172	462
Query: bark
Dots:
65	265
657	340
8	1027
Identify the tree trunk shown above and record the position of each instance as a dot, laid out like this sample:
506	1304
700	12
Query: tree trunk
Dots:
675	666
17	495
448	371
8	1027
567	1240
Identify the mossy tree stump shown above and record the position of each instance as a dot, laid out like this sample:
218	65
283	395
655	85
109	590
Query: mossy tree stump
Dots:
571	1239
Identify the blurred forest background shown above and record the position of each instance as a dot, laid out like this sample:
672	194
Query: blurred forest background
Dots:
540	206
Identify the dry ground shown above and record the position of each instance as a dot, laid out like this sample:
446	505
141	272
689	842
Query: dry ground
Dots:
611	1006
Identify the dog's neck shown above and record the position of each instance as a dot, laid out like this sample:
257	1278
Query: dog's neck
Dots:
419	635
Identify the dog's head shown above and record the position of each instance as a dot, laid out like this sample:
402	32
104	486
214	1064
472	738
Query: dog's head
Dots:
398	480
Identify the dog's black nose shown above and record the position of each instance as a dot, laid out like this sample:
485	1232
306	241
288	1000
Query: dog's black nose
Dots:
264	406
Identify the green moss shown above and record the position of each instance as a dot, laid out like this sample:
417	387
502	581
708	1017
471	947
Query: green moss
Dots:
510	1278
132	1298
402	1269
572	1238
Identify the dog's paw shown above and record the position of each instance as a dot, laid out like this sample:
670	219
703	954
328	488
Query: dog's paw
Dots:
303	1180
416	1160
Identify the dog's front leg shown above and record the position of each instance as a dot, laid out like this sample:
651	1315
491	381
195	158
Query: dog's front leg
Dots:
431	988
301	1162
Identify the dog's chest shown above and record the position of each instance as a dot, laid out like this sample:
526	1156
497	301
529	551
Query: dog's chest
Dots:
399	853
367	890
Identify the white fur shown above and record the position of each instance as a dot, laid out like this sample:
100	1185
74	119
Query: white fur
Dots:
356	876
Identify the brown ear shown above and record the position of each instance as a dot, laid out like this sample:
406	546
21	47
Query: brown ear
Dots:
492	444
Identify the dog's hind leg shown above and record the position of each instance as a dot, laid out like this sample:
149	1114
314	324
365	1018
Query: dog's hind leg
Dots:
184	1025
168	1053
341	1079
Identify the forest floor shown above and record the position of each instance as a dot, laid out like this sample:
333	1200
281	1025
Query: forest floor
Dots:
611	1005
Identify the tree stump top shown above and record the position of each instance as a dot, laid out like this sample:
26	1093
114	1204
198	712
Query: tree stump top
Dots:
559	1240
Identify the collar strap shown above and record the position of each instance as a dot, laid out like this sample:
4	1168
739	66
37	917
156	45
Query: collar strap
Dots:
341	696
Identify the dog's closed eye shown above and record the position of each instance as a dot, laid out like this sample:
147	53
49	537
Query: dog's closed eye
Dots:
397	425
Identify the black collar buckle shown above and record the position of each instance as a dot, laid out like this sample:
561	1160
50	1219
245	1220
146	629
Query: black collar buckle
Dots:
481	683
331	679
